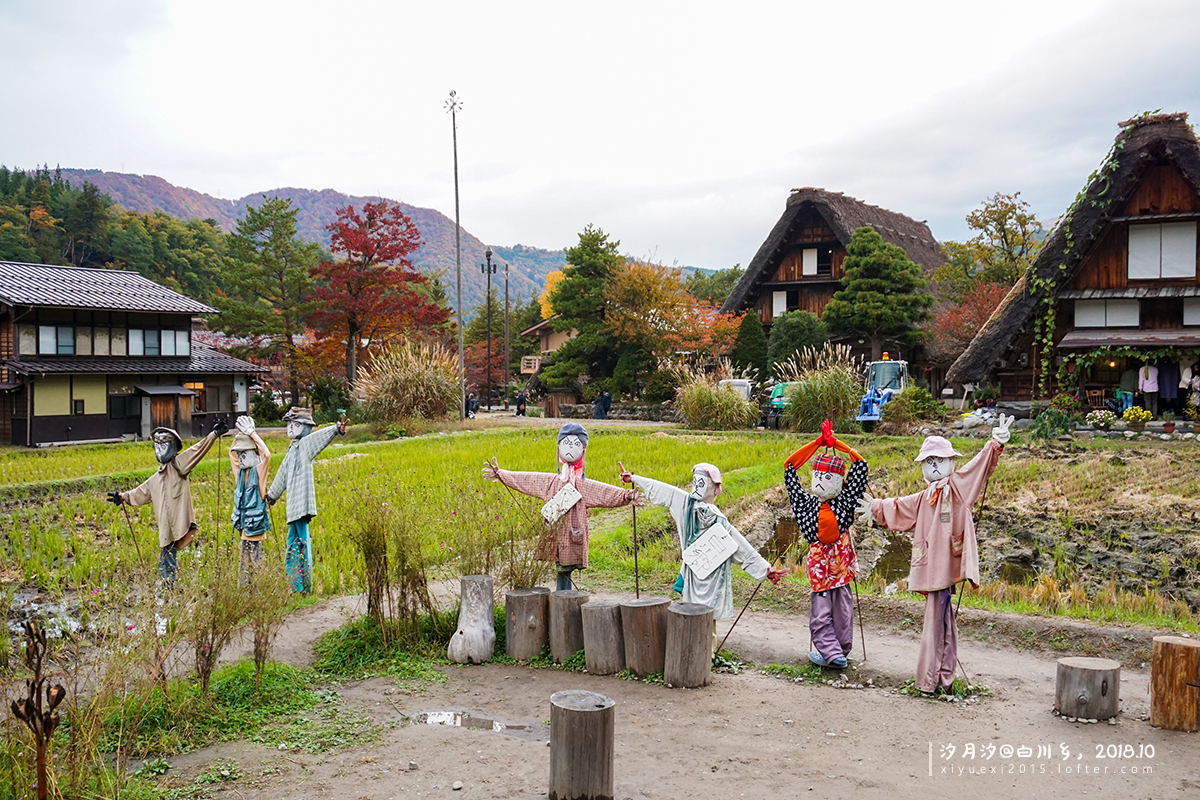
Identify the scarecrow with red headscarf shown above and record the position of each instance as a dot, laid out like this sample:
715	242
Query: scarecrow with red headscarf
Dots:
824	516
945	551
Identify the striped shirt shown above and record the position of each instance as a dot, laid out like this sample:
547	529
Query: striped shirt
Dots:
295	475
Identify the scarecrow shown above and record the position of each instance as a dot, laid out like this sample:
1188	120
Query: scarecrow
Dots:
824	516
568	495
251	461
945	551
170	491
295	477
709	541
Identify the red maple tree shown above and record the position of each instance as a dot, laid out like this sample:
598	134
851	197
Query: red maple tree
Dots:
368	296
954	325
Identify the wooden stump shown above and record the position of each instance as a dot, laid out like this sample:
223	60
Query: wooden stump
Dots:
582	725
1175	684
475	640
566	623
526	613
603	642
689	645
644	625
1088	688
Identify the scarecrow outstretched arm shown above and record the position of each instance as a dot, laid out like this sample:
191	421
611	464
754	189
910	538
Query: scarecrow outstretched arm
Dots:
597	494
970	477
897	513
799	458
662	494
187	460
139	495
533	484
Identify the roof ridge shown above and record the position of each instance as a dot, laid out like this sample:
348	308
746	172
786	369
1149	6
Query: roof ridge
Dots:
71	267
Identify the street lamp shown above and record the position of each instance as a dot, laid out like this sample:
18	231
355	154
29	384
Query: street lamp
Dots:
452	107
488	269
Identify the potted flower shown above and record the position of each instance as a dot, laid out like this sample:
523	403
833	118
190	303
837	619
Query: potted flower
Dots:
1136	418
1101	419
1168	418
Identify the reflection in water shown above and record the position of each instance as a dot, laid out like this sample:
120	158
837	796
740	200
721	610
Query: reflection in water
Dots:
458	719
893	562
787	535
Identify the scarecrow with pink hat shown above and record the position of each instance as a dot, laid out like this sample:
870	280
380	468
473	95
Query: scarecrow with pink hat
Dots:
945	551
710	542
824	515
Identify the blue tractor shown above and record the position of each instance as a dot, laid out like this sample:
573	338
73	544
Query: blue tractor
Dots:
885	380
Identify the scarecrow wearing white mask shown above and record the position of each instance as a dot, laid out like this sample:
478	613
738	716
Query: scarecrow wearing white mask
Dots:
945	551
295	477
170	490
251	461
824	517
568	495
710	543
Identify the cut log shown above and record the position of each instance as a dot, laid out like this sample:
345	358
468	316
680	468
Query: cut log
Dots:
689	645
1175	684
566	623
582	727
1088	688
526	617
603	642
644	625
475	640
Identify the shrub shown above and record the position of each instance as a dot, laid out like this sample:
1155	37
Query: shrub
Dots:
833	393
1065	402
1137	414
1051	423
264	410
793	332
914	404
1101	418
409	381
660	388
710	407
328	395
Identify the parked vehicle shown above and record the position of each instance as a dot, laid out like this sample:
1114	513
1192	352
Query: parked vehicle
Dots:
885	379
777	404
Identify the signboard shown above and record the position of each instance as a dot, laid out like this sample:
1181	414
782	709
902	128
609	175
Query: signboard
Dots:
561	503
711	550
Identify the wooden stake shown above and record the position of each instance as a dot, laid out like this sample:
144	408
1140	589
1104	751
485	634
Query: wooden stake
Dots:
739	617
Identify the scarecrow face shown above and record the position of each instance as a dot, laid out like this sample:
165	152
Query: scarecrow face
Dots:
297	430
936	468
703	488
248	459
570	449
165	447
826	485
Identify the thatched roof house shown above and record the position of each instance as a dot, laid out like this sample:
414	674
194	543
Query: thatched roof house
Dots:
799	266
1118	271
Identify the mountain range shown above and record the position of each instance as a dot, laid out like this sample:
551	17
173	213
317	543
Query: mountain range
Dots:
528	266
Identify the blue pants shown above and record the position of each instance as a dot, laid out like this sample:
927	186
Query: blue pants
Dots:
1126	401
564	577
299	556
168	566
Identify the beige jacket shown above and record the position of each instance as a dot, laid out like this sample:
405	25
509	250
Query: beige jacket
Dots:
171	493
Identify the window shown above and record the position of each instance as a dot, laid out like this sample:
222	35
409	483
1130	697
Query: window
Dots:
124	406
1162	251
137	346
809	261
198	404
77	406
47	339
66	341
152	343
1106	314
824	260
1191	311
168	343
183	343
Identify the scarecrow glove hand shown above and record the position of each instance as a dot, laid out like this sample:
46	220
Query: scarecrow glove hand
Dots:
115	498
220	427
864	510
245	424
1002	433
491	470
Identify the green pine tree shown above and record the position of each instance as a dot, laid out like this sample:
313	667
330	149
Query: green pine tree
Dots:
750	350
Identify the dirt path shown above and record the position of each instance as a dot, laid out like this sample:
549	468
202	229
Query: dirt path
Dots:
749	735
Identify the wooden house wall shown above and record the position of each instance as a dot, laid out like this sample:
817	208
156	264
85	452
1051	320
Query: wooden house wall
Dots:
790	269
1163	190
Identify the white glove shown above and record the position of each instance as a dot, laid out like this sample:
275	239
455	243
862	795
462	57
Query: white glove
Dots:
491	470
245	424
864	510
1001	433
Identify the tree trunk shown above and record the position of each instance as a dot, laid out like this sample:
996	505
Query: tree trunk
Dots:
566	623
582	728
876	348
525	622
644	624
689	645
603	642
475	640
1175	684
351	353
1088	688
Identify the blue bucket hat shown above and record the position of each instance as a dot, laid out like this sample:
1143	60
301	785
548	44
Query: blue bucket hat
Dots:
573	429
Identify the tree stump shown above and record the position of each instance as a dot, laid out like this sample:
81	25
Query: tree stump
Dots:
475	640
603	642
526	613
582	725
689	645
566	623
1088	688
1175	684
644	625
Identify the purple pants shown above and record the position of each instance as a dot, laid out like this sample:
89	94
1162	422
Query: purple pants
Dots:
832	622
939	643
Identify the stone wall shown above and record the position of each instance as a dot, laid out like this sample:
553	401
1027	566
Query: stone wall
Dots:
643	412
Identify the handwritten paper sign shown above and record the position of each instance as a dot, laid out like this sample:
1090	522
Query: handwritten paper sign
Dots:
560	504
711	550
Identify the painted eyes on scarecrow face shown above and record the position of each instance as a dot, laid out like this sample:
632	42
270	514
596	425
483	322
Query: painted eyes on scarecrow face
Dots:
699	484
570	449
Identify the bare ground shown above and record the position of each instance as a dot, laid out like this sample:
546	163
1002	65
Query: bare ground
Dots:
750	734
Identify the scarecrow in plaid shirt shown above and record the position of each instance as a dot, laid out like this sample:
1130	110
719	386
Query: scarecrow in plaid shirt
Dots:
824	516
295	477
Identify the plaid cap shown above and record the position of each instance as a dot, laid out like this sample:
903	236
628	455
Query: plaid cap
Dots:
827	463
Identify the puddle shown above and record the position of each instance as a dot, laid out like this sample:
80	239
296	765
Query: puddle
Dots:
462	719
894	559
58	617
1019	573
786	535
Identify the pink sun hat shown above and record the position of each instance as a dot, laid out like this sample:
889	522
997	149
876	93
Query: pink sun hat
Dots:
937	446
713	473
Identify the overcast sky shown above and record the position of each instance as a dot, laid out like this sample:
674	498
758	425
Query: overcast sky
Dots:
679	128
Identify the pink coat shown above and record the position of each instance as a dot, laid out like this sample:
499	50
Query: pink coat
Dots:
944	553
569	543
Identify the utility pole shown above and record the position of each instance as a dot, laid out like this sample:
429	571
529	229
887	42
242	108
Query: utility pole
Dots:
488	269
507	354
453	105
